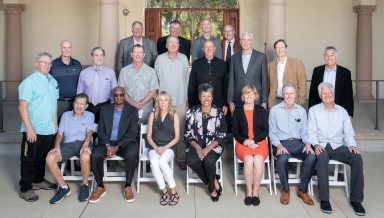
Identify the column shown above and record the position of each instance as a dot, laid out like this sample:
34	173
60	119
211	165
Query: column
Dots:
109	31
275	26
364	52
13	50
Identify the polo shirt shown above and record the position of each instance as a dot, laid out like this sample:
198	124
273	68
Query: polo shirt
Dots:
75	129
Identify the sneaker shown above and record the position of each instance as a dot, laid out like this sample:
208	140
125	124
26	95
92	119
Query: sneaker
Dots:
325	207
97	194
60	195
84	193
128	194
358	208
44	185
29	196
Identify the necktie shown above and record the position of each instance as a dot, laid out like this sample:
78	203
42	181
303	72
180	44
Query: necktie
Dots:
229	52
95	88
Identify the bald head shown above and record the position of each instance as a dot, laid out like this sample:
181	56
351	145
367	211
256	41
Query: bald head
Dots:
66	48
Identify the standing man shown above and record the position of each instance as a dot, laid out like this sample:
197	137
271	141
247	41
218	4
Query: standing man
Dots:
174	30
140	82
248	67
212	70
127	44
288	134
330	131
197	47
38	95
66	71
230	45
286	70
172	69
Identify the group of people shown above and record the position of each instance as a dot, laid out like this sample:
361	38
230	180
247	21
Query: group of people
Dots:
230	87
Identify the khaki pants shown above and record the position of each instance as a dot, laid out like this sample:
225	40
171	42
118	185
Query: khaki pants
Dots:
180	146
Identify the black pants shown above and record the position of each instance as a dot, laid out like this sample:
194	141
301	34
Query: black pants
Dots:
343	155
206	168
96	109
128	152
32	158
62	107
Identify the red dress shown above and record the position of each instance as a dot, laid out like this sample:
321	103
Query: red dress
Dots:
242	150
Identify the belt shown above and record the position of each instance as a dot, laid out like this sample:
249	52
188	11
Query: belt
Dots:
66	99
291	139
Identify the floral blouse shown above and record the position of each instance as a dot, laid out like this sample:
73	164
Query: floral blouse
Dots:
216	128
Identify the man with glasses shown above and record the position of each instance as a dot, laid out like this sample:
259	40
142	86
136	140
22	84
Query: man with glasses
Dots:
38	95
197	47
230	45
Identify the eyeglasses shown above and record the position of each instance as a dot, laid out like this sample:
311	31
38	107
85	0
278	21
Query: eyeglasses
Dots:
46	63
119	95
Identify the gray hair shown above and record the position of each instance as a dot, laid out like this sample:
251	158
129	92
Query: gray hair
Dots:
41	54
206	19
82	95
205	87
97	48
324	84
246	33
170	36
288	85
137	22
330	48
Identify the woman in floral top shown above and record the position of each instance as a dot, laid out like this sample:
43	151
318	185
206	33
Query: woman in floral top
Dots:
204	134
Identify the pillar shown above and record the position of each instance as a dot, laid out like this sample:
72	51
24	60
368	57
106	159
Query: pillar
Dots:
364	52
275	26
13	50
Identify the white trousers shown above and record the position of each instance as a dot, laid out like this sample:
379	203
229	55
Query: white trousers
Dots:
161	169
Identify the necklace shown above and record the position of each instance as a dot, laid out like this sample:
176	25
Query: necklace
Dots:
205	115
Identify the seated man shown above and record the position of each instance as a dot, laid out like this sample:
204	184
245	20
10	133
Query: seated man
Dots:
288	134
330	131
77	127
116	138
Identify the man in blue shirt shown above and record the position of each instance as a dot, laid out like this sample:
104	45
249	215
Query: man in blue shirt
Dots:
38	95
77	128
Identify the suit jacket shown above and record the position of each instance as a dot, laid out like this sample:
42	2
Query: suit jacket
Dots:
185	46
294	73
236	47
125	50
257	75
343	88
128	126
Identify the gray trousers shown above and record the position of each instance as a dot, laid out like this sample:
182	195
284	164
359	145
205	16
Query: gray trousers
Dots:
343	155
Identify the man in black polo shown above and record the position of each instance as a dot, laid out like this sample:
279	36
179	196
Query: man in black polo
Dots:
66	71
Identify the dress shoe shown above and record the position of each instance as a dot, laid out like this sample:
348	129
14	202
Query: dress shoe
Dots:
97	194
215	198
357	208
220	190
255	200
325	207
284	199
183	165
248	200
128	195
305	197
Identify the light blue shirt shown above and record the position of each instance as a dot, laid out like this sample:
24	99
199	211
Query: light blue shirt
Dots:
246	58
330	126
284	124
330	77
42	96
75	129
115	125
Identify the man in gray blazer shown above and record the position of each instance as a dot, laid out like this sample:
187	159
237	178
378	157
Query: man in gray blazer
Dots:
127	44
248	67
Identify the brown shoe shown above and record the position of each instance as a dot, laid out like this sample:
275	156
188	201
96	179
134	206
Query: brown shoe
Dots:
305	197
284	199
128	194
97	194
183	165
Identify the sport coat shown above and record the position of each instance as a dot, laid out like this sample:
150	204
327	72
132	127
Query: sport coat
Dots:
125	50
343	88
236	47
185	46
257	75
294	73
128	126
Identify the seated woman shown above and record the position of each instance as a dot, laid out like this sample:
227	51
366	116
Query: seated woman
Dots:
163	134
204	135
250	128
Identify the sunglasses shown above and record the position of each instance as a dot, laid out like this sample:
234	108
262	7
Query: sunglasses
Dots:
119	95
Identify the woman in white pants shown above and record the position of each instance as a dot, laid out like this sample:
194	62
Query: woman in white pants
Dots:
163	134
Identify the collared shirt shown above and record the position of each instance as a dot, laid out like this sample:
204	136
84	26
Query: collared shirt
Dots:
246	58
330	126
116	123
330	77
280	76
226	47
107	81
42	96
197	51
138	42
75	129
284	124
138	83
173	76
67	76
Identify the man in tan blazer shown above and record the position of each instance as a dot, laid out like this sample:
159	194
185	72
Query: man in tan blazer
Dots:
285	70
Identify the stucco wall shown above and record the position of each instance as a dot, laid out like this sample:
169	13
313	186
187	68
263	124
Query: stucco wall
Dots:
2	44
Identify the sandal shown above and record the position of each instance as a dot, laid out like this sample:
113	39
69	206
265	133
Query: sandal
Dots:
164	198
174	199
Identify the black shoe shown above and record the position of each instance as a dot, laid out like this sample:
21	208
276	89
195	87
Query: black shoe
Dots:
248	201
325	207
220	190
255	201
60	195
148	168
358	208
215	198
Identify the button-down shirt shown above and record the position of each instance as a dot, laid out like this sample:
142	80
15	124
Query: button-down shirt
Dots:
138	83
42	96
67	76
330	77
280	76
116	123
173	76
330	126
284	124
226	47
75	129
246	58
197	51
107	81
